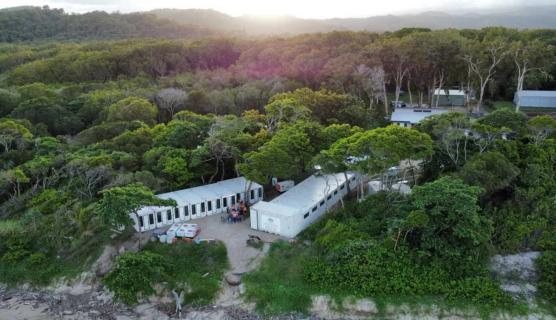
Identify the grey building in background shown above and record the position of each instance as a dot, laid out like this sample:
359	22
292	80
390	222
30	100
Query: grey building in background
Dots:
536	99
450	97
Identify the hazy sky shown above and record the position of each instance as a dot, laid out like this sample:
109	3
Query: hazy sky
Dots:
299	8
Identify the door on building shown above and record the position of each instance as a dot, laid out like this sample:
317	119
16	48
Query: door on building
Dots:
169	216
193	211
186	213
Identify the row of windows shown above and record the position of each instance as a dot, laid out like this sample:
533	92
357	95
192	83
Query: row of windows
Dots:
224	203
306	215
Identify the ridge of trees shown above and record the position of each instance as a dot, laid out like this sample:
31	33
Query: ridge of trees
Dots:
43	23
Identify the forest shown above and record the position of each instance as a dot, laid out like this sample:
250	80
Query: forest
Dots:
90	129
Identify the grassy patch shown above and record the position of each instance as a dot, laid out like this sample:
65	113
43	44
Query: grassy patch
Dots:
9	226
277	286
499	105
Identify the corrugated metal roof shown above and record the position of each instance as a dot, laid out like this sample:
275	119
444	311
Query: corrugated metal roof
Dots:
306	194
203	193
414	115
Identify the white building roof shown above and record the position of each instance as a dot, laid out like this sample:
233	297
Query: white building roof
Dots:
536	93
414	115
449	92
536	98
306	194
203	193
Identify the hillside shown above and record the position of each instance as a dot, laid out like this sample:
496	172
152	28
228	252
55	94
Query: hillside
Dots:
35	23
251	25
524	18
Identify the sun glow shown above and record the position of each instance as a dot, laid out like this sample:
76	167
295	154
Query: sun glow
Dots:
317	9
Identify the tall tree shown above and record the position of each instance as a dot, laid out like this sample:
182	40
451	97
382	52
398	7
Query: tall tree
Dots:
132	108
171	100
532	56
395	54
456	231
373	82
483	59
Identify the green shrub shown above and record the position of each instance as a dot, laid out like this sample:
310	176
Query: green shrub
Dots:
335	233
479	290
134	275
372	269
17	249
546	266
37	259
195	268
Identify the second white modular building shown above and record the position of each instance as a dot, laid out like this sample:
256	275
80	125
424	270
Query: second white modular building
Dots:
197	202
293	211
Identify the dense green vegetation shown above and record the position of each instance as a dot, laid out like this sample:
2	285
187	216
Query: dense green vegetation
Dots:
36	23
196	269
389	246
90	131
547	275
471	201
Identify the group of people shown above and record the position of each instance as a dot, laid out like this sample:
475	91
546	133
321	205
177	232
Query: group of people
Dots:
237	213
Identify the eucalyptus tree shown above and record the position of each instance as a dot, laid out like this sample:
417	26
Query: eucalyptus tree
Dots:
373	82
482	59
530	57
395	55
171	100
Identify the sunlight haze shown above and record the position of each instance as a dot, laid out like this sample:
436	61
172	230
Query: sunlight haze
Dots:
303	9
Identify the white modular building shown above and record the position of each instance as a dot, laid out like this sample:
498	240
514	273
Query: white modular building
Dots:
198	202
536	100
409	117
293	211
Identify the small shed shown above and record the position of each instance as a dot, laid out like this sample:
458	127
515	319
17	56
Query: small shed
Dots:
297	208
408	117
536	100
450	97
198	202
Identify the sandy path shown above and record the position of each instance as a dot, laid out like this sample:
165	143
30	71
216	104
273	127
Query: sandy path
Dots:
243	258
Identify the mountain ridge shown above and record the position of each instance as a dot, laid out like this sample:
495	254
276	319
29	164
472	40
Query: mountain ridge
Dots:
43	23
525	18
